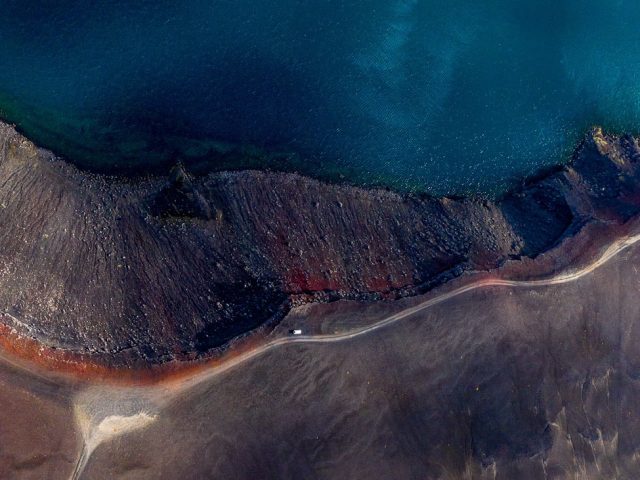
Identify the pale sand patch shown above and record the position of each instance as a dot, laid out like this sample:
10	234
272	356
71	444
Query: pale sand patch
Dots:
102	417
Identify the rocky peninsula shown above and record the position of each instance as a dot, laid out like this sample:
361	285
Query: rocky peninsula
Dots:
130	271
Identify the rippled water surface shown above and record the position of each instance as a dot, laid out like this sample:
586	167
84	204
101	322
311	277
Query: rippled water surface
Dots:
453	96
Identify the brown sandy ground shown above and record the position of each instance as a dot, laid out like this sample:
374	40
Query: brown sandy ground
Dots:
38	438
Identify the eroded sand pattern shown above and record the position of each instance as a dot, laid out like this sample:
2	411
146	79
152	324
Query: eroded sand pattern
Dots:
102	417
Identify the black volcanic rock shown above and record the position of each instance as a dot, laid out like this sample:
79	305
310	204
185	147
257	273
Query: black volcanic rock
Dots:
165	268
181	198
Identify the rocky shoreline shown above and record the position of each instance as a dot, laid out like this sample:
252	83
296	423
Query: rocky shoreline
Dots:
127	271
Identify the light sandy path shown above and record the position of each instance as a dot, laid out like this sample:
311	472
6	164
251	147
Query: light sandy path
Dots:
566	277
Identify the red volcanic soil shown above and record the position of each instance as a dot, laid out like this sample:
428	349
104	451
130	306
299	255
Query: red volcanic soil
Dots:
37	357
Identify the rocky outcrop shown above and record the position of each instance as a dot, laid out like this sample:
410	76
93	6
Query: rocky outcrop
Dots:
165	268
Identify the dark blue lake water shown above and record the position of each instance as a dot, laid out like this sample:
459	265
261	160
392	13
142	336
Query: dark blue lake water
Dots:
455	96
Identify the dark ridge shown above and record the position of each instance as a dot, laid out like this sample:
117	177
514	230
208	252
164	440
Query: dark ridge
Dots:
171	268
181	199
252	305
539	214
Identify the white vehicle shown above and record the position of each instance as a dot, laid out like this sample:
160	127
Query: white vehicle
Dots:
295	332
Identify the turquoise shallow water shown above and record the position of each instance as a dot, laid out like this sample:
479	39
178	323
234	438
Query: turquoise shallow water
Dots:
447	97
